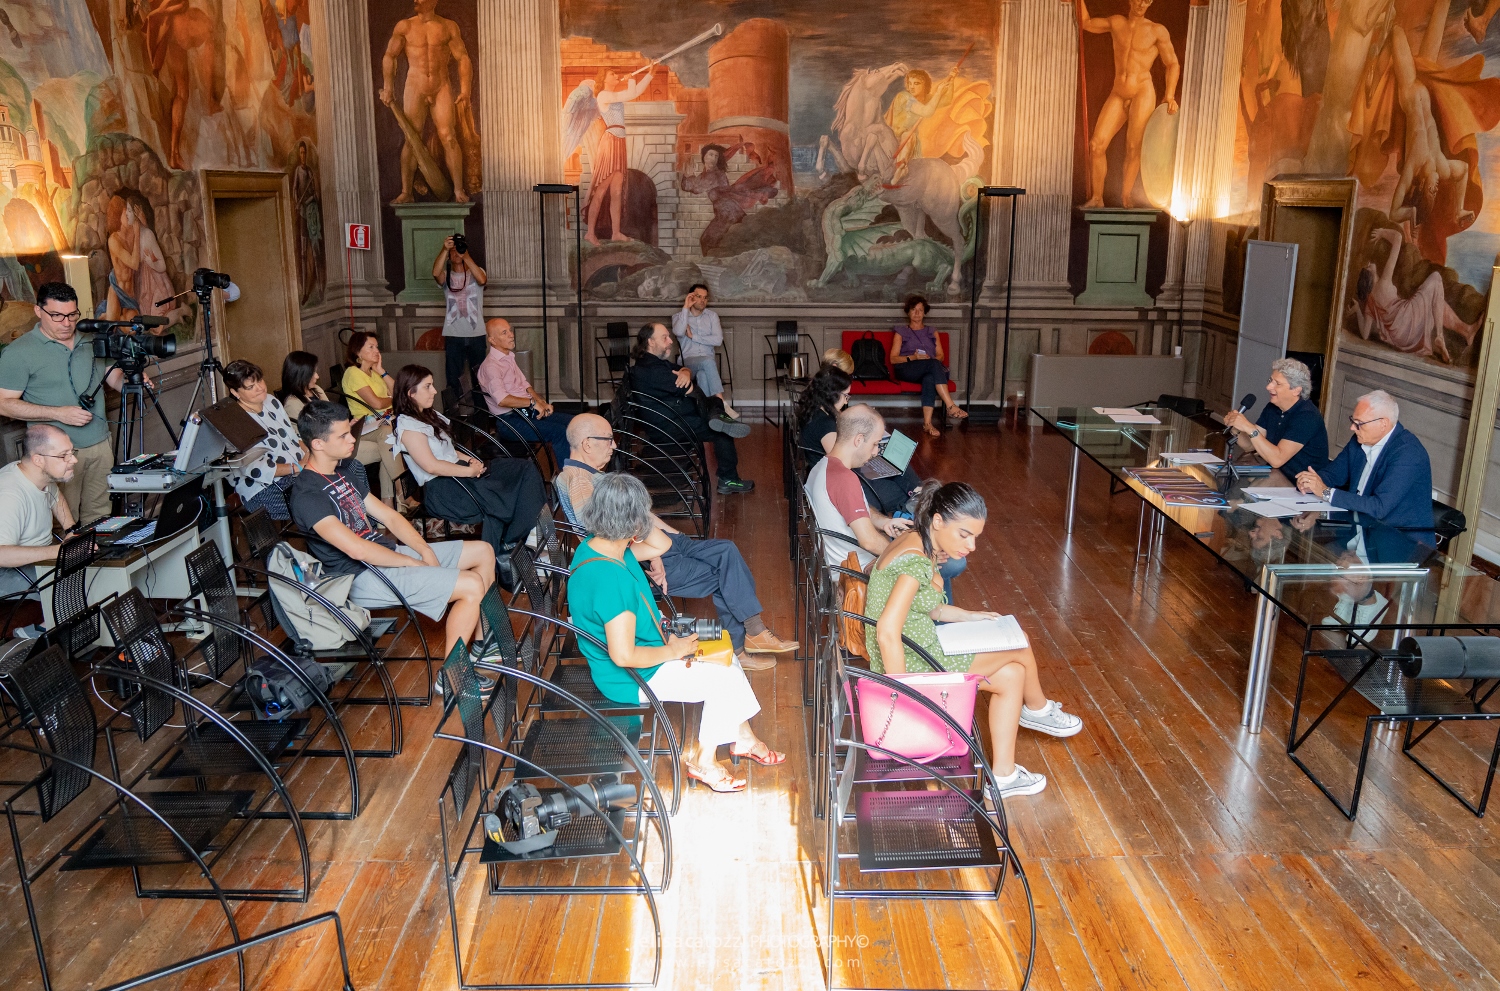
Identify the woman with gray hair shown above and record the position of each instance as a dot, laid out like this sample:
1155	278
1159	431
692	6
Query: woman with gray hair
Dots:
1289	433
610	598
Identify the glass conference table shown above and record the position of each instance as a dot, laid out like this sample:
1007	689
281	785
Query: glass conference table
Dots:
1331	568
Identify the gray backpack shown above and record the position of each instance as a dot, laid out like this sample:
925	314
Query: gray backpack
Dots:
305	618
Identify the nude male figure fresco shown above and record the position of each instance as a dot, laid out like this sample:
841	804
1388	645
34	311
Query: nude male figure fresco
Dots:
1137	45
433	45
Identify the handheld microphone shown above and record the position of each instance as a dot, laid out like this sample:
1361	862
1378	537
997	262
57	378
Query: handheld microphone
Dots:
1245	405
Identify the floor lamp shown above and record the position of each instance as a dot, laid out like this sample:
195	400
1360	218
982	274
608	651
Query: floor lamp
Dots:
1187	226
543	190
990	414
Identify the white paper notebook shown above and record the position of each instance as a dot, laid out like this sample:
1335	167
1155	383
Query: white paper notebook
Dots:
981	635
1133	418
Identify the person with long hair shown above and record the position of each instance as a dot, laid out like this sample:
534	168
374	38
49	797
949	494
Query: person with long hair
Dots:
906	598
299	382
610	598
917	356
817	412
367	391
506	492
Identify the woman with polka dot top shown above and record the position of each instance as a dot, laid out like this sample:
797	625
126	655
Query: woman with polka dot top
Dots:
247	383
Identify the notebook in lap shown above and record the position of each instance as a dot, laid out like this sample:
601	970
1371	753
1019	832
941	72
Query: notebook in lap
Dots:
893	458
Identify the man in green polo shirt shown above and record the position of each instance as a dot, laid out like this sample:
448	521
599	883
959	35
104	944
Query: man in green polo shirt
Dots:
46	376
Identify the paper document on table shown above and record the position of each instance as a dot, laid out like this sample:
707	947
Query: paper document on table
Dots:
1112	410
1283	493
1192	458
981	635
1276	508
1133	418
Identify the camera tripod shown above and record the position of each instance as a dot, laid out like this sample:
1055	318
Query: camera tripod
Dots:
210	365
135	394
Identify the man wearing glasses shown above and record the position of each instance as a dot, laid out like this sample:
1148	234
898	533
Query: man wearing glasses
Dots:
29	505
682	566
47	376
1386	474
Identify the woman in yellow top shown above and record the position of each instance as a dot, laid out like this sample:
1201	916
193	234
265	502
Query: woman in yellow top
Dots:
367	390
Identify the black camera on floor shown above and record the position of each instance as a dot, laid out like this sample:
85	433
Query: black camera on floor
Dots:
692	626
530	819
460	244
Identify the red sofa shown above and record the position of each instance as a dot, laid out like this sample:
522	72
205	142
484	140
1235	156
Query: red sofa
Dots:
890	387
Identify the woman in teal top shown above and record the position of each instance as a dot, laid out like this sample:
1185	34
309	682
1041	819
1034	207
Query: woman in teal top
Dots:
906	598
610	598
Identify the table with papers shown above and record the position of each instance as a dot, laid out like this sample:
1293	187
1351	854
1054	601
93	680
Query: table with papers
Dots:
1298	553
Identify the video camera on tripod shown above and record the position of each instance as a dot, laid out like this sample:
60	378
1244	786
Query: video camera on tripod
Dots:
129	342
530	819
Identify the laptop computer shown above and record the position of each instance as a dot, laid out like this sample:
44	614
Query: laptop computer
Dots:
893	458
165	514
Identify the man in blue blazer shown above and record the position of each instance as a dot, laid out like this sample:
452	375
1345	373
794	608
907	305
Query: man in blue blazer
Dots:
1385	474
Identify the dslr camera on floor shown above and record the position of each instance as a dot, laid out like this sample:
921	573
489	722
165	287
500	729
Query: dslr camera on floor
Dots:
530	819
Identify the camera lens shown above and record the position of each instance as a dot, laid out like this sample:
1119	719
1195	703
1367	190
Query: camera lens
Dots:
460	244
157	347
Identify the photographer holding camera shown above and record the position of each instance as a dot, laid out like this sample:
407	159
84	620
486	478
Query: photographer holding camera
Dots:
49	375
463	282
614	604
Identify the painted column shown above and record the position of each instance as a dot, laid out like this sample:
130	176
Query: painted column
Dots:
520	103
346	147
1205	154
1035	109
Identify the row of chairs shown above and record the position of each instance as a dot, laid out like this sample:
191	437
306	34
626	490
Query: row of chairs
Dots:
882	812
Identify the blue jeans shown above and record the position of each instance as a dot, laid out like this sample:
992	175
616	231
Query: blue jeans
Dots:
930	372
552	429
459	351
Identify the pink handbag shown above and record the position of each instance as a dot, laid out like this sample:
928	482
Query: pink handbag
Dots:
895	722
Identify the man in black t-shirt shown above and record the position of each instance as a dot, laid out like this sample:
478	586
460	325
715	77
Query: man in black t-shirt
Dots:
334	505
1289	433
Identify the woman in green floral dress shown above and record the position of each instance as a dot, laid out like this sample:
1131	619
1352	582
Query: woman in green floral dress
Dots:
906	598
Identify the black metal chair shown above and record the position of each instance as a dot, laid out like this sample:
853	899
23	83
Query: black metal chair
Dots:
229	642
1375	674
75	623
613	351
601	833
776	364
144	817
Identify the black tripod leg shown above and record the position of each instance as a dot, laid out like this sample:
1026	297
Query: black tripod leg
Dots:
167	424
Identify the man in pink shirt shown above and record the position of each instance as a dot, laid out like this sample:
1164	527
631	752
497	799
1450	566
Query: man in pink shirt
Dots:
518	410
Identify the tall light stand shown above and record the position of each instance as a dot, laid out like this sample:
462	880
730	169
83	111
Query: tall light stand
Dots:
1187	223
989	414
543	190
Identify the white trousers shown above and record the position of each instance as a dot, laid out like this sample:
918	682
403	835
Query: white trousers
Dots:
728	700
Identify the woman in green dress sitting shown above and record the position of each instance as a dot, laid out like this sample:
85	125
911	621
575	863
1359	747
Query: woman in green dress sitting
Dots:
906	598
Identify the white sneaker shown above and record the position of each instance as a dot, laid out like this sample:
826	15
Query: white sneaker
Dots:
1051	719
1018	783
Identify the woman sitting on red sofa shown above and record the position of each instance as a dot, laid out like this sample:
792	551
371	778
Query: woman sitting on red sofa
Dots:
917	356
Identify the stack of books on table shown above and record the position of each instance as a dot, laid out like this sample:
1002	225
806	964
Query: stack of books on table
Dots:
1178	488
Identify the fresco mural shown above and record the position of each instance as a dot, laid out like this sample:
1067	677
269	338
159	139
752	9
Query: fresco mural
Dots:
1401	94
106	107
426	115
777	150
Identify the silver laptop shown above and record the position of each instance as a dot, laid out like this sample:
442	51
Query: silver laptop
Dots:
893	458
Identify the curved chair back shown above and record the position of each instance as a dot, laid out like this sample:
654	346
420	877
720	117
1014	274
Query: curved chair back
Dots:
77	623
133	625
208	578
65	725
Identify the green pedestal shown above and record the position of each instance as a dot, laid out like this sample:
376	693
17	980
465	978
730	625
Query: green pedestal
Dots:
424	227
1119	243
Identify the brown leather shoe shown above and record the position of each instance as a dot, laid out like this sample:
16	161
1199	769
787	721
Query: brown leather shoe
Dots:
755	662
766	642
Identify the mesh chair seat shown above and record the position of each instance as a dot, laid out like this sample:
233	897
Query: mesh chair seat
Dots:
130	838
210	752
585	836
921	831
869	771
569	747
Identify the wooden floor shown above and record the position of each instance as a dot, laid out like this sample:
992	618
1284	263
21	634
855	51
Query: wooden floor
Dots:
1170	850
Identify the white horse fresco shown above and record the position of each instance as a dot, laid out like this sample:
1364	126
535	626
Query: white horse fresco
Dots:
866	143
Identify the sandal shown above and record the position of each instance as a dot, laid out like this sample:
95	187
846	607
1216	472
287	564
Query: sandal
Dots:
725	784
955	412
931	431
771	758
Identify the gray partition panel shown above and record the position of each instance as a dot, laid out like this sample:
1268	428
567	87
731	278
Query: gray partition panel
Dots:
1103	379
1265	316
